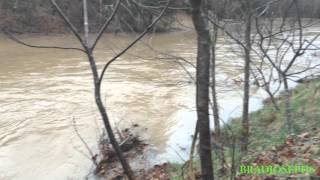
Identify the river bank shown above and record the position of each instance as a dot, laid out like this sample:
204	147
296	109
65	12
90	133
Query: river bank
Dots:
269	143
269	134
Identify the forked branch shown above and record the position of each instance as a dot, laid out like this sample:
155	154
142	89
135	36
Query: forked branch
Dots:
133	42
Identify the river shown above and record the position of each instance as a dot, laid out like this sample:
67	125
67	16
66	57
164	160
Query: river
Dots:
43	90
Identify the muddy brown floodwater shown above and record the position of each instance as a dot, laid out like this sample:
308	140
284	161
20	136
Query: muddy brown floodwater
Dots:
42	90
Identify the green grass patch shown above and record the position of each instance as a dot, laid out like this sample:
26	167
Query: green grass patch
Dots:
268	126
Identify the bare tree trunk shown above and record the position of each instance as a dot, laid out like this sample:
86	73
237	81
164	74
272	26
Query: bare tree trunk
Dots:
193	146
233	159
246	96
273	100
97	94
105	117
202	90
215	107
287	105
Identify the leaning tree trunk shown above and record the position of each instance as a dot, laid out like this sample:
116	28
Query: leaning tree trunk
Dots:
215	105
202	89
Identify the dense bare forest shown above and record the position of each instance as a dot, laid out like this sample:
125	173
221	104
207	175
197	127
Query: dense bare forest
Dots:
36	16
41	17
147	89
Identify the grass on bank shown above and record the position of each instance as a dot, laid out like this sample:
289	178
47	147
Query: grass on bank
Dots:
268	126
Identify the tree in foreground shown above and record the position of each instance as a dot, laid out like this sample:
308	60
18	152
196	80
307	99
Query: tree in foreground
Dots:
202	88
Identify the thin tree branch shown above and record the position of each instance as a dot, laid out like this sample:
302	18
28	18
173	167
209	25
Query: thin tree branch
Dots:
227	32
84	142
133	42
15	39
105	25
68	22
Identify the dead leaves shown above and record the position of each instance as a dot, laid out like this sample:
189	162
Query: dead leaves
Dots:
302	149
287	153
159	172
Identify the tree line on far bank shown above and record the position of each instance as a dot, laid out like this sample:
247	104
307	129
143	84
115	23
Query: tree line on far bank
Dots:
38	16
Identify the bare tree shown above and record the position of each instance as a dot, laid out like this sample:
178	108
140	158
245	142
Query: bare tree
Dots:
246	91
214	38
216	14
281	44
246	14
88	48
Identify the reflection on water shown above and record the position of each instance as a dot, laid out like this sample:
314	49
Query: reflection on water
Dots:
42	90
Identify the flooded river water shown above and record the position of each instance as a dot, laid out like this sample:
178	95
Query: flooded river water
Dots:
42	90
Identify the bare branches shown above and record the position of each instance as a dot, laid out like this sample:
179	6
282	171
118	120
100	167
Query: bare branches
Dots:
98	78
15	39
74	123
287	43
133	42
70	25
68	22
227	32
105	25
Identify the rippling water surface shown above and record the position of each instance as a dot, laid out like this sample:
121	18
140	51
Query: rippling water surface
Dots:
42	90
